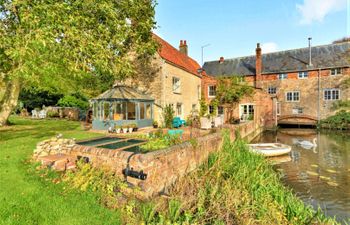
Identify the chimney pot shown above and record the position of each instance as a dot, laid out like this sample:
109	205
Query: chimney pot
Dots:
183	47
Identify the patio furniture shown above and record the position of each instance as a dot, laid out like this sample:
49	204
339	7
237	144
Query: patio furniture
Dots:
42	114
34	114
205	123
175	132
178	122
218	121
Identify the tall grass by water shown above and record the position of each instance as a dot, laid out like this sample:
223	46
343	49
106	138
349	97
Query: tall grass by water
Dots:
236	186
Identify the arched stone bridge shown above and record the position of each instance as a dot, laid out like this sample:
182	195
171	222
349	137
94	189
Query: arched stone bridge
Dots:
297	119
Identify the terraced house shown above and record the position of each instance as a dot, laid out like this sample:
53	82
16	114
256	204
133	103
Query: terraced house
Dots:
303	83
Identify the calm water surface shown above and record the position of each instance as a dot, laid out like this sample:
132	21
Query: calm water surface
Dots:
319	176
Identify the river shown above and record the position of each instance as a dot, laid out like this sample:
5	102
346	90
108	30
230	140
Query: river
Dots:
319	176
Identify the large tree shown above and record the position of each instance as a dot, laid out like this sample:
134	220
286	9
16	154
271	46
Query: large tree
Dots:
59	44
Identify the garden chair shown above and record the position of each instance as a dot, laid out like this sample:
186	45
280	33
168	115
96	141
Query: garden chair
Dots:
42	114
175	133
34	114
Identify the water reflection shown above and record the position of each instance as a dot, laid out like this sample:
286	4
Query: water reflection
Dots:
319	175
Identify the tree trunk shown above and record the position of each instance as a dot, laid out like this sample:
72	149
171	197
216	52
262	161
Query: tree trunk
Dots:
9	99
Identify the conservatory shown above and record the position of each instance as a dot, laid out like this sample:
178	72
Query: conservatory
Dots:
122	106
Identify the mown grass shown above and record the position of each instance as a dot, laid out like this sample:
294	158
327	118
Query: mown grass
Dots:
27	197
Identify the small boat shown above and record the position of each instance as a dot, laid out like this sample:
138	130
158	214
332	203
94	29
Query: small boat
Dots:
270	149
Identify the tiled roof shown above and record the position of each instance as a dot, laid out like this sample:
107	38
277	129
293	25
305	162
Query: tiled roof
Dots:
175	57
122	92
325	56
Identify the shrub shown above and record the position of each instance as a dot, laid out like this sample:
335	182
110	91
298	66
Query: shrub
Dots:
341	120
52	114
73	101
168	114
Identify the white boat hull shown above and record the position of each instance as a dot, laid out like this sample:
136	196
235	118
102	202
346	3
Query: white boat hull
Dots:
270	149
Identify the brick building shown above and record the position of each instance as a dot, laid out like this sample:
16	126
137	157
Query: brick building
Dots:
303	83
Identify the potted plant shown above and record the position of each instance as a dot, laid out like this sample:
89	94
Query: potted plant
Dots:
118	129
155	124
134	126
125	128
131	127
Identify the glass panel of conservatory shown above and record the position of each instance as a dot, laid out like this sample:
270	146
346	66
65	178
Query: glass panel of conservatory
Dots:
119	111
148	111
106	110
131	107
142	111
95	110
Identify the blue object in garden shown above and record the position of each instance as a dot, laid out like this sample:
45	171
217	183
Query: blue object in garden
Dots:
177	122
175	132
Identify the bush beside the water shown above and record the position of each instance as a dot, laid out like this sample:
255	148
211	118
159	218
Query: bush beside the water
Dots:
341	120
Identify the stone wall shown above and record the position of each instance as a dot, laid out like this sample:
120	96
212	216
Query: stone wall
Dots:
162	167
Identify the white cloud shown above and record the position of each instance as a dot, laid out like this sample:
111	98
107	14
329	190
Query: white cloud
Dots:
269	47
317	10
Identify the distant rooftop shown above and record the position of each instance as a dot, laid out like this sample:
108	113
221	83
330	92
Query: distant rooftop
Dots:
324	56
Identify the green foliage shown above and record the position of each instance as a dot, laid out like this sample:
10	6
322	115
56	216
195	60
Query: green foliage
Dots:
73	45
168	115
232	90
238	187
35	98
158	140
52	114
341	104
203	107
78	101
214	103
341	120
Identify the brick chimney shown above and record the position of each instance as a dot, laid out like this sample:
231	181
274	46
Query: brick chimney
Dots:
258	66
221	60
183	48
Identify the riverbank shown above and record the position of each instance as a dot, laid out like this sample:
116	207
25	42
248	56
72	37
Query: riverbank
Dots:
232	186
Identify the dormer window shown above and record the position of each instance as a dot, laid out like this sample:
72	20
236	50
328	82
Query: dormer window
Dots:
335	71
303	75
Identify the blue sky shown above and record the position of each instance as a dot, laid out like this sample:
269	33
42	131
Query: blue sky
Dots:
232	28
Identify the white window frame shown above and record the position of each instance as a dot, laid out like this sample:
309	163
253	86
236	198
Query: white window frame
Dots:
282	76
278	108
176	85
270	88
331	90
211	96
177	112
293	96
336	71
297	111
244	116
303	75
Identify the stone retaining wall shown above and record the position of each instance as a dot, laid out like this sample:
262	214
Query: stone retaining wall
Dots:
162	167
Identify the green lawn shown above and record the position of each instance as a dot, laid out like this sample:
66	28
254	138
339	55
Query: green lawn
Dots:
27	198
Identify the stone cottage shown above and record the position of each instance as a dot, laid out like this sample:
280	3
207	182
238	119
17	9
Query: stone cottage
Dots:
303	83
177	81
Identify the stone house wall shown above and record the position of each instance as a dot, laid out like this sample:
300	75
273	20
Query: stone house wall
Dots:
160	87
